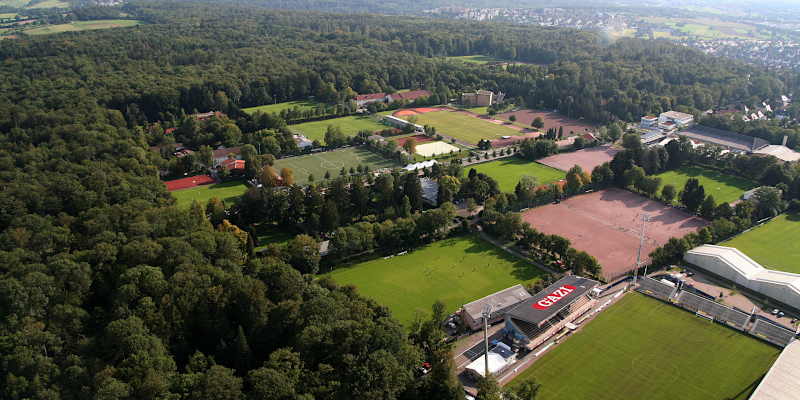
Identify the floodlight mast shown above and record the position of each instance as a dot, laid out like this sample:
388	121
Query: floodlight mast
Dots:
487	312
645	219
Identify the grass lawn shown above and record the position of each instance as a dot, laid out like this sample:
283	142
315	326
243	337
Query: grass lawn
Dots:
507	172
463	127
642	348
228	192
476	59
774	244
455	271
268	234
83	26
350	126
277	108
8	15
724	188
331	161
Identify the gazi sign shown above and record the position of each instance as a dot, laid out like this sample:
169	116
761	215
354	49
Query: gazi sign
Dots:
554	297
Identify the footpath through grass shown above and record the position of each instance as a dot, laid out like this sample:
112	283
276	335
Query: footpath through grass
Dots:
724	188
642	348
333	162
278	107
349	125
228	192
464	127
455	271
507	172
774	244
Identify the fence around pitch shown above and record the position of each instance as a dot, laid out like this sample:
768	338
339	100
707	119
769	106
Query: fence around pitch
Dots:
772	333
656	289
718	312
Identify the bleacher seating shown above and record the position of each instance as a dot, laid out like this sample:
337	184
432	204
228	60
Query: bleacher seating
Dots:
772	333
719	312
655	288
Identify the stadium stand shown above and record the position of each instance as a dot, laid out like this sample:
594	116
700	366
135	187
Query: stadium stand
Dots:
772	333
535	320
726	139
718	312
656	289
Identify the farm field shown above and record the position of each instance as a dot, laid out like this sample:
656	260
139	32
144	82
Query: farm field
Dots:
710	28
277	108
641	348
464	127
724	188
606	224
228	192
331	161
509	171
350	125
454	271
550	119
83	26
770	244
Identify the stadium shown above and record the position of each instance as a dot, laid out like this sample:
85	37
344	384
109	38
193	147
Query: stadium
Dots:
536	319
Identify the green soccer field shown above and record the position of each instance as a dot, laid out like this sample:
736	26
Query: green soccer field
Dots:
331	161
774	244
464	127
509	171
228	192
642	348
724	188
455	271
277	108
349	125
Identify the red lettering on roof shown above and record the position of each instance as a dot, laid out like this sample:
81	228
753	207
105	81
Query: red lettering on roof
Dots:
553	298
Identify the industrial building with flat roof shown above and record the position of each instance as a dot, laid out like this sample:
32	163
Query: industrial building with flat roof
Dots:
726	139
733	265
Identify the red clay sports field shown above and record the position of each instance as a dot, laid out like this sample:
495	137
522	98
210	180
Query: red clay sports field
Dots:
190	182
606	224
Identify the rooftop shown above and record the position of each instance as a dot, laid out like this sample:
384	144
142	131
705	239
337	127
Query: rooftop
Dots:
498	300
782	381
749	268
781	152
676	115
412	95
371	96
547	303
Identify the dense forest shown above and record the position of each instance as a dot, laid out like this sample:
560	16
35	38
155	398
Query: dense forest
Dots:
109	291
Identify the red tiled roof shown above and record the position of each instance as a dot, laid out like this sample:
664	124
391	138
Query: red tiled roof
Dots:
233	164
412	95
220	153
169	131
370	96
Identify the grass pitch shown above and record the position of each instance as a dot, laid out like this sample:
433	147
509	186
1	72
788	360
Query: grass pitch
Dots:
642	348
724	188
83	26
228	192
773	244
509	171
464	127
277	108
455	271
350	126
331	161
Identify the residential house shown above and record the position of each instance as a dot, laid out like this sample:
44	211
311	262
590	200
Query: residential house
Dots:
224	153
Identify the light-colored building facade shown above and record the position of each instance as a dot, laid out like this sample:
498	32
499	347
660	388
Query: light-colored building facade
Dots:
480	98
681	120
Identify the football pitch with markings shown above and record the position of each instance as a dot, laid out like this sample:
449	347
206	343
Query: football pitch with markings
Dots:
641	348
331	161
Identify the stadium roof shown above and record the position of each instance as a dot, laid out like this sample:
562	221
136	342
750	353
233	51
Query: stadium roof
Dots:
500	300
782	382
781	152
547	303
